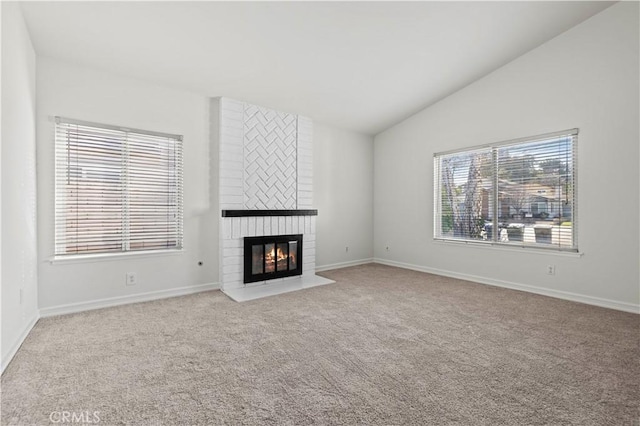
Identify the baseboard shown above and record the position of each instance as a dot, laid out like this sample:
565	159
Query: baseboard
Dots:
574	297
124	300
6	358
343	264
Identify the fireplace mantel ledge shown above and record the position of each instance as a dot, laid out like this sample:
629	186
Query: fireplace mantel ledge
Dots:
261	213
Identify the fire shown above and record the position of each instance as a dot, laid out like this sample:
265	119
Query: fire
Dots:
271	256
280	257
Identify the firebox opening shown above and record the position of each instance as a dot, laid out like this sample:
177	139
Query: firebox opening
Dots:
266	258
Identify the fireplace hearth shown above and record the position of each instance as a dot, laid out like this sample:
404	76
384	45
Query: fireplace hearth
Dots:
270	257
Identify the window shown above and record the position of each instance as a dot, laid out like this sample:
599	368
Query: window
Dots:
117	190
514	193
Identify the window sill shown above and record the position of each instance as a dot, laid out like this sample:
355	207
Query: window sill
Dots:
510	248
101	257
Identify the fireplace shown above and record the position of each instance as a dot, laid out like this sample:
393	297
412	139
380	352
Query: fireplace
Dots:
265	177
269	257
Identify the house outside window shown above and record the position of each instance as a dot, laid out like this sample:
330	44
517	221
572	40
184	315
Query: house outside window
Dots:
117	190
517	193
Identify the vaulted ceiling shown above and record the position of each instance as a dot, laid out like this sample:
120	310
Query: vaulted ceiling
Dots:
362	66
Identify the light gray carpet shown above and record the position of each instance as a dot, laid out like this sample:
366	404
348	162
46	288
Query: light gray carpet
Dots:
382	346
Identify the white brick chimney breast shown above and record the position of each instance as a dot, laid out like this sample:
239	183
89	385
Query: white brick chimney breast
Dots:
265	163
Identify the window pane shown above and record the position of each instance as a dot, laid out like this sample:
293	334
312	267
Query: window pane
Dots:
89	208
465	195
535	188
153	202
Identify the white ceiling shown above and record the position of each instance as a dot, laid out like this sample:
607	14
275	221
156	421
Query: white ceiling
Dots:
362	66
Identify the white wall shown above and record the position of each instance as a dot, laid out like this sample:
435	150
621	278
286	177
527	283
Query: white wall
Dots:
18	219
343	195
585	78
86	94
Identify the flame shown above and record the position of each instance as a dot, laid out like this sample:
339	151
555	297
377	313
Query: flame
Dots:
279	255
276	259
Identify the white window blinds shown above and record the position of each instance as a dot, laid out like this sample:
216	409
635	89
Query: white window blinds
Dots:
117	190
523	190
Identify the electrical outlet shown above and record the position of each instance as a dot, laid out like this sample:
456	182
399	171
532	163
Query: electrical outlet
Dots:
131	278
551	269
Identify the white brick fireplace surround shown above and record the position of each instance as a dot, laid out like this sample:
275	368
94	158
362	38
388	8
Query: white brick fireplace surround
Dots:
265	176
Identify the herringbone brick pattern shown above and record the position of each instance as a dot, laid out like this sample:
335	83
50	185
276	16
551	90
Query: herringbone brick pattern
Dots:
269	159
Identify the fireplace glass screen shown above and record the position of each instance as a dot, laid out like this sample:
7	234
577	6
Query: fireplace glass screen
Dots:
266	258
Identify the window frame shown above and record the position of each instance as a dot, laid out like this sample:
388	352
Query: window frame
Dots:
131	136
493	149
